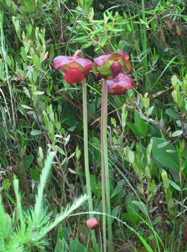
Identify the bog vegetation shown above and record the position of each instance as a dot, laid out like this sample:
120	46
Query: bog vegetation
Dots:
125	189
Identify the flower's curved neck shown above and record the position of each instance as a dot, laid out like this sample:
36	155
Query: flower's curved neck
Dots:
75	54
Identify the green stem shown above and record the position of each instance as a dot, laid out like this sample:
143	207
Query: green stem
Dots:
144	41
105	170
103	167
86	163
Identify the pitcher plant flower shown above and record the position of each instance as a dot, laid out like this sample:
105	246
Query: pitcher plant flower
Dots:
120	84
109	66
75	68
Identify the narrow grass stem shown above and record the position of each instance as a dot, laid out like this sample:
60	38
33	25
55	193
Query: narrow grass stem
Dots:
86	162
105	169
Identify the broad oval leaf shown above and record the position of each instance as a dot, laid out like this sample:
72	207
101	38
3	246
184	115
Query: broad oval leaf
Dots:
36	132
173	114
162	145
167	159
177	133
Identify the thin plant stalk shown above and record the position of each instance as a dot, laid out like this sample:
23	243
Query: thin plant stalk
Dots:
144	42
86	161
105	169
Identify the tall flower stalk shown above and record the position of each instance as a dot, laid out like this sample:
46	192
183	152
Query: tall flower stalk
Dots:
86	160
76	69
105	169
109	67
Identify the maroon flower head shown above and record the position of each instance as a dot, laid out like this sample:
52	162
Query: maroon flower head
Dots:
109	66
75	69
92	223
120	84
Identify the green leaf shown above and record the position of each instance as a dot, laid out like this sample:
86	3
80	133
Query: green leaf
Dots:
166	182
133	128
130	156
38	93
57	148
177	133
36	132
6	184
164	174
141	125
8	2
156	220
117	189
96	31
28	161
171	151
26	107
162	145
115	212
176	96
81	39
167	159
141	206
86	45
68	112
114	29
76	246
17	26
174	80
91	108
173	184
173	114
34	175
36	61
29	29
26	45
130	207
23	54
150	110
130	218
8	60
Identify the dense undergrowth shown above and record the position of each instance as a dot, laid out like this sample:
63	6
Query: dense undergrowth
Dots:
41	116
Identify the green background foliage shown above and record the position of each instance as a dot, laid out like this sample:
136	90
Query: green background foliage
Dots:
146	127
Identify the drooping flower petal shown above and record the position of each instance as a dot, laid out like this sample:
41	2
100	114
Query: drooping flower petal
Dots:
109	66
120	84
74	68
92	223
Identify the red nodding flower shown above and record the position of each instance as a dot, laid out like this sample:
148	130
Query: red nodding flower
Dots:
92	223
109	66
120	84
75	69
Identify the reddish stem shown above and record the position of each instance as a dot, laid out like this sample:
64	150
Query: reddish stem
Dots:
75	54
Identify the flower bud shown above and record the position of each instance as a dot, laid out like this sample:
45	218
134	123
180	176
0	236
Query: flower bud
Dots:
92	223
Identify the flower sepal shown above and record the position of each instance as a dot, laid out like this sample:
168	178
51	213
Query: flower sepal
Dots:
109	66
